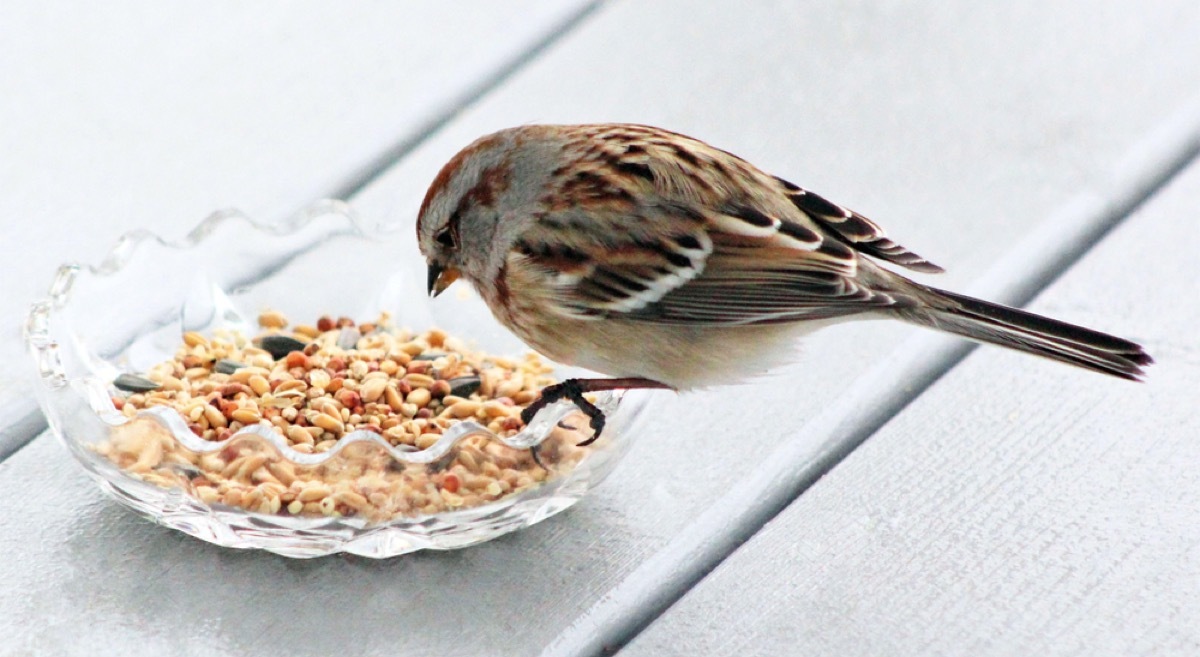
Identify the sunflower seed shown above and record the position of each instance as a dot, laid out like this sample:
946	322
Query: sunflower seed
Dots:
279	346
227	366
134	383
465	386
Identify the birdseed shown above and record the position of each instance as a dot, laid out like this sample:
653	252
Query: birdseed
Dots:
312	385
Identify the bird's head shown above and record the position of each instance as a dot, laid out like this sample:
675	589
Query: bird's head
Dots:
459	220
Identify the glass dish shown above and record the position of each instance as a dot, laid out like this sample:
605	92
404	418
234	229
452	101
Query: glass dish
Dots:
129	312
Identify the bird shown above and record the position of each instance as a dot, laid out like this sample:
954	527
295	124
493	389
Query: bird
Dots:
661	261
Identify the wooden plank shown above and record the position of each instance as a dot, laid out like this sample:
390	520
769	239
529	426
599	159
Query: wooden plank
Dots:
924	139
1016	508
139	115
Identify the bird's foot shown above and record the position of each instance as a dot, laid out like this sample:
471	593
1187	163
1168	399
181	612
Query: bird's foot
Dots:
573	390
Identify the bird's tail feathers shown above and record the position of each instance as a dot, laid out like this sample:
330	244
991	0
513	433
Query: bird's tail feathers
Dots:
1024	331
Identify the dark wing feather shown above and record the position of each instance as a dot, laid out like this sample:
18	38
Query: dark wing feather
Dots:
746	284
631	269
737	267
856	230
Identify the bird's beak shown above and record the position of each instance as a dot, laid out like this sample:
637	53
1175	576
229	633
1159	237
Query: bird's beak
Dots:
440	278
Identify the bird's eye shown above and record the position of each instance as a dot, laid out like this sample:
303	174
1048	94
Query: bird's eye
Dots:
446	238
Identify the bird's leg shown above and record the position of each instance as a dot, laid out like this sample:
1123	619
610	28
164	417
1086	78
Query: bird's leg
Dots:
574	389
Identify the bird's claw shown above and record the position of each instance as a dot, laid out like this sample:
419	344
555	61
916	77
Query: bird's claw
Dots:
573	391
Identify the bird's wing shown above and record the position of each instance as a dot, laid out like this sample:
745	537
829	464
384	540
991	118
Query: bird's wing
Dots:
765	270
700	256
860	233
626	268
735	267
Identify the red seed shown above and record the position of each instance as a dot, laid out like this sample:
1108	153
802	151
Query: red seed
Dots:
297	359
511	424
229	390
118	403
450	482
325	323
348	398
440	388
336	365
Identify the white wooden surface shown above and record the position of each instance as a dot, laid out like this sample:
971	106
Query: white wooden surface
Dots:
130	114
706	443
1017	508
959	128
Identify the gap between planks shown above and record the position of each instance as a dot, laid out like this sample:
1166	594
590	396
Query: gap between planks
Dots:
20	419
1036	261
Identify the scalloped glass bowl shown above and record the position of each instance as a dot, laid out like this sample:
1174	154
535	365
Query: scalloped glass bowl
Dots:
129	312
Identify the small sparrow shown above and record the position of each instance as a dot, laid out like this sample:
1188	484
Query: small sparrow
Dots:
662	261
